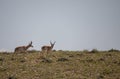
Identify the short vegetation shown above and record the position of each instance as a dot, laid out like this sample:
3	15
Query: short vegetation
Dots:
60	64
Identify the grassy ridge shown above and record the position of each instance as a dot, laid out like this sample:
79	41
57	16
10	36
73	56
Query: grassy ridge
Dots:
60	65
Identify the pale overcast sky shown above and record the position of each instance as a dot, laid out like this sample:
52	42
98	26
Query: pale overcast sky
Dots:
73	24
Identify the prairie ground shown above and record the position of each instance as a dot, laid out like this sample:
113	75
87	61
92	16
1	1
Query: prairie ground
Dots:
60	65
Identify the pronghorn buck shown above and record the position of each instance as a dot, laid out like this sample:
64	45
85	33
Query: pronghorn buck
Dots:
47	49
23	48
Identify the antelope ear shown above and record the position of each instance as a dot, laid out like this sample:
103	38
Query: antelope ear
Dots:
30	42
54	42
50	42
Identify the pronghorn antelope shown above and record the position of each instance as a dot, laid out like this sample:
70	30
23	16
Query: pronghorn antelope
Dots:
48	49
23	48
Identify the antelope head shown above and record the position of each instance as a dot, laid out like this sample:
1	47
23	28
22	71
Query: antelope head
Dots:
29	45
52	44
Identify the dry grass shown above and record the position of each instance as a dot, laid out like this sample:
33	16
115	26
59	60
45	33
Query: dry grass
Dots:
60	65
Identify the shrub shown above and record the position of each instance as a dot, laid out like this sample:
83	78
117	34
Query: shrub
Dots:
62	59
113	50
33	51
1	59
94	51
54	50
85	51
45	60
12	77
22	61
